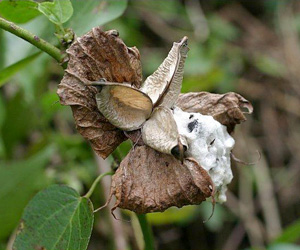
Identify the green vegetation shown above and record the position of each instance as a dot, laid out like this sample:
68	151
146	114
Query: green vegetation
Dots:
248	47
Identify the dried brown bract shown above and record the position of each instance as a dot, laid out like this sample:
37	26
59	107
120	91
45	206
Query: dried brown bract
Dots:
150	181
226	108
93	56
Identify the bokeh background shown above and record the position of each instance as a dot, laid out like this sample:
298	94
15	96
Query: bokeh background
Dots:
249	47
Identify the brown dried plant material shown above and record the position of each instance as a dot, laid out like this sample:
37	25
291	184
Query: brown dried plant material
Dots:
164	85
160	132
150	181
225	108
96	55
124	106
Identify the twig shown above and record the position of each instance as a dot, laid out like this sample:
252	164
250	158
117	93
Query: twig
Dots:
266	192
241	211
198	20
267	197
234	240
247	211
33	39
116	225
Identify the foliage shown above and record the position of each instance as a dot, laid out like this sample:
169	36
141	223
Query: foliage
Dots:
19	11
64	223
39	145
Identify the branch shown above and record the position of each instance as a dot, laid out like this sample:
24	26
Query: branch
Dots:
33	39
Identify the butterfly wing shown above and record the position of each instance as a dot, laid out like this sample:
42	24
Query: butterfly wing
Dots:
123	106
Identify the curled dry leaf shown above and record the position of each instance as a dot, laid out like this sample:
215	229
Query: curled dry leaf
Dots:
93	56
164	85
225	108
150	181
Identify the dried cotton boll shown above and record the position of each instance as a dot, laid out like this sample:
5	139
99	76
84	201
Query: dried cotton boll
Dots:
210	144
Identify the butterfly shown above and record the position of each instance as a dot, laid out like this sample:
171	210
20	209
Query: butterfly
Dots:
149	107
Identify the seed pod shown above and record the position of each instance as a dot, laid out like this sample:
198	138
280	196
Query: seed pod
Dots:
161	133
150	181
124	106
164	85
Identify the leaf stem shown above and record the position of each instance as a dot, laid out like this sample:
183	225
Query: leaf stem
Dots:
33	39
98	179
147	232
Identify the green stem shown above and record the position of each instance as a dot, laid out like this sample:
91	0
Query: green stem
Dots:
90	192
33	39
147	232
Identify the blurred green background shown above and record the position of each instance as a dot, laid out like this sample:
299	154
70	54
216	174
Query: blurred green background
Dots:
250	47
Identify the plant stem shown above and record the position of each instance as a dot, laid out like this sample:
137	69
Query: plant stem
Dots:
33	39
147	232
90	192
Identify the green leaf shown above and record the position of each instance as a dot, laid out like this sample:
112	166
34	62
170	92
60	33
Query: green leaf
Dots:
290	233
57	12
56	218
11	70
19	11
90	13
20	180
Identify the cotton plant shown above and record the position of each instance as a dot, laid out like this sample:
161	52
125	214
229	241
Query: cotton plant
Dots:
182	142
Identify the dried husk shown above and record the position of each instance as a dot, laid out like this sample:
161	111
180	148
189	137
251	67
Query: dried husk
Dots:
160	132
150	181
124	106
96	55
225	108
164	85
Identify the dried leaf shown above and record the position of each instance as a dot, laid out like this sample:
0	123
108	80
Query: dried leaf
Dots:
96	55
124	106
164	85
135	136
226	108
150	181
160	132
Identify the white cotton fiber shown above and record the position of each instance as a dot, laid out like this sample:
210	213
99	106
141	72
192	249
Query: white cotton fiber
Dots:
210	144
